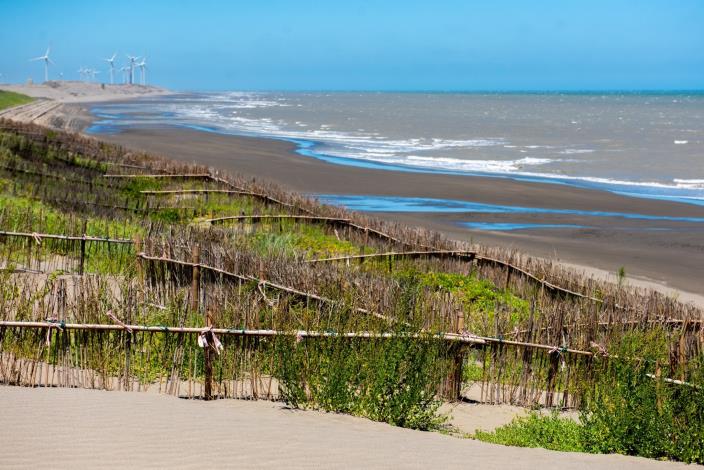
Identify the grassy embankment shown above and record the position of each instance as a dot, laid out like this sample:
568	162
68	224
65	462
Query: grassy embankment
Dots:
9	99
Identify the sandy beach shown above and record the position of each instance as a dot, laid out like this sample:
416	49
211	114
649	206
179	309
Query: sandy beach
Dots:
64	428
670	259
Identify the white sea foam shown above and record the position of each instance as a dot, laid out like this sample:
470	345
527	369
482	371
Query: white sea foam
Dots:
368	147
487	166
687	183
231	112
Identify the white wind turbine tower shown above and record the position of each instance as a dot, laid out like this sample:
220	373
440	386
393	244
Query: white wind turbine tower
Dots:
125	71
47	61
142	68
133	62
111	61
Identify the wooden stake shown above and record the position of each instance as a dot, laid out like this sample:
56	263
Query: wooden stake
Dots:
452	387
208	359
81	266
195	281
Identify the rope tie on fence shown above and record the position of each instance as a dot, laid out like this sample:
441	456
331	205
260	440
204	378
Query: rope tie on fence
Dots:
215	342
467	335
37	238
117	320
53	323
56	323
558	349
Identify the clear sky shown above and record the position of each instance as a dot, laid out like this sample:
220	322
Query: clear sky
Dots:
371	45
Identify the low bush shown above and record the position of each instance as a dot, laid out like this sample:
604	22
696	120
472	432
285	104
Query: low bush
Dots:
628	410
535	430
388	380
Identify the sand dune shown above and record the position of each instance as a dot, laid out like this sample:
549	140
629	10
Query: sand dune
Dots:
64	428
81	92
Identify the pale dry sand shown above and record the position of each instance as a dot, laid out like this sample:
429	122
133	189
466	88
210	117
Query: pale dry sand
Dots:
83	92
48	109
64	428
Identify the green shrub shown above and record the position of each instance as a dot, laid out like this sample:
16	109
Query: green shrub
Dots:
534	430
629	412
388	380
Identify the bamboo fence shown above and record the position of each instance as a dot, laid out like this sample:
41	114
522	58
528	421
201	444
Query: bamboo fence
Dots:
194	280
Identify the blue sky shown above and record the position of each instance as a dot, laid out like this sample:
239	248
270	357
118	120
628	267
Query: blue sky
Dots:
382	45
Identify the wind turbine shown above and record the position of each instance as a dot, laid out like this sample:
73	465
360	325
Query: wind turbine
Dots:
125	71
142	67
47	61
92	73
133	61
111	61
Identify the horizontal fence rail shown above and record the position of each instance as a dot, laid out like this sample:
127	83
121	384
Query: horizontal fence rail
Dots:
39	236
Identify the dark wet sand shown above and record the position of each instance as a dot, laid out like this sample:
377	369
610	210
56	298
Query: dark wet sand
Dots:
673	257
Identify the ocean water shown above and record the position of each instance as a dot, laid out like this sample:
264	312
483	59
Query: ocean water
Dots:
639	144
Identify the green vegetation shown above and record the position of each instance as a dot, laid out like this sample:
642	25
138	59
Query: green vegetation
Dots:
480	297
393	381
535	430
291	239
629	411
9	99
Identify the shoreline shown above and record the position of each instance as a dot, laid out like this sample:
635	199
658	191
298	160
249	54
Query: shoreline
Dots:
665	261
674	263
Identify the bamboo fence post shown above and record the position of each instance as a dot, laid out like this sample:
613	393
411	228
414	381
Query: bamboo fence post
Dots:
208	360
81	266
195	278
682	351
128	348
140	268
452	386
29	254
